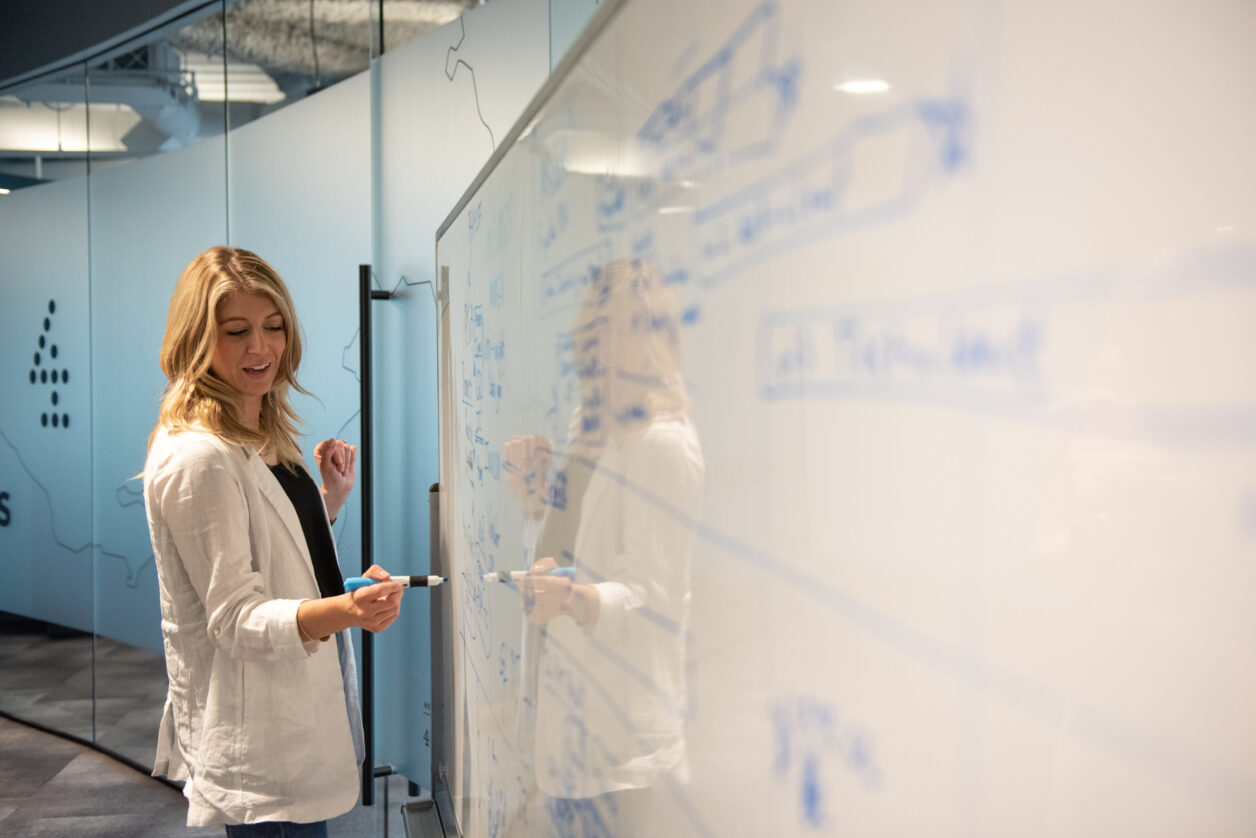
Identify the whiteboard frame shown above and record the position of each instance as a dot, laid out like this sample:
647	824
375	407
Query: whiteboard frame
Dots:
557	76
444	737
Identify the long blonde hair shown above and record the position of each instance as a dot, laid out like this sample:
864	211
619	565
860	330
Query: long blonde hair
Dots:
627	346
196	398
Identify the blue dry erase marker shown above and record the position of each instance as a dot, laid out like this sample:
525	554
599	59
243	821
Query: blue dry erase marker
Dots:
355	582
516	575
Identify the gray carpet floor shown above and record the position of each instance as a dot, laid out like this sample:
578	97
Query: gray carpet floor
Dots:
50	786
48	680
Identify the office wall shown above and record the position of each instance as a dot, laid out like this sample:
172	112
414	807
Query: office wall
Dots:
299	195
443	102
148	220
361	172
45	470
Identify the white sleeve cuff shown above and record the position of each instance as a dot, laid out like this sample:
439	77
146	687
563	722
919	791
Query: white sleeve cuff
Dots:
615	601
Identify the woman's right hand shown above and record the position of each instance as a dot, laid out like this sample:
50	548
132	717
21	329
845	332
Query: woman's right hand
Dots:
374	607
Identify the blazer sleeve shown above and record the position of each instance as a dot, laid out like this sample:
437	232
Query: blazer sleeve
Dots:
648	577
203	505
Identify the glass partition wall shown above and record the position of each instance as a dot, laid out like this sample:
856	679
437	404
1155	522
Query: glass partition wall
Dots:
124	166
85	228
153	207
46	528
113	172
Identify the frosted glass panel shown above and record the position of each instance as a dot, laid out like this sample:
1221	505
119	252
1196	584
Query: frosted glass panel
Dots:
131	286
143	234
46	539
300	197
444	101
45	418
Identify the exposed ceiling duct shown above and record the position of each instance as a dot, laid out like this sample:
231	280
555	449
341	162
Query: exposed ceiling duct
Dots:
170	92
148	80
326	40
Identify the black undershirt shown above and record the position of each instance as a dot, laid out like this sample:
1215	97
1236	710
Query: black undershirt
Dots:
308	502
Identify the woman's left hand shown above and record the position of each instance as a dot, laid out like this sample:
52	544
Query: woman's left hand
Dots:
544	596
338	465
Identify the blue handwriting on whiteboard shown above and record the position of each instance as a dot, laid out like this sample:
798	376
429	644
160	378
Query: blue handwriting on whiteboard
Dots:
834	354
740	79
562	286
817	195
558	491
498	237
810	736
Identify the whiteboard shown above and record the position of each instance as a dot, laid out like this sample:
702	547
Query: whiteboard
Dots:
884	370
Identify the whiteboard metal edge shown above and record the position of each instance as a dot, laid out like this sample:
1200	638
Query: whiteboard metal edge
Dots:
559	74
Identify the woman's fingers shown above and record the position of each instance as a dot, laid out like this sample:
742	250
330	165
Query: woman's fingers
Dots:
543	565
376	606
381	621
336	455
544	597
388	610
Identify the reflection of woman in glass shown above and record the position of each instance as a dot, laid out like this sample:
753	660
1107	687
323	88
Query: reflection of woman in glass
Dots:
610	693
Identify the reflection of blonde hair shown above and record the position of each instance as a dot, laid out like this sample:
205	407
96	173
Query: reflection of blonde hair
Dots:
636	320
197	398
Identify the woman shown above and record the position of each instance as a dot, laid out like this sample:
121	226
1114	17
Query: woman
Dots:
261	719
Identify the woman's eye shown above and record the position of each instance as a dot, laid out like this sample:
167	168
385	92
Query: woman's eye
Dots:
237	333
274	328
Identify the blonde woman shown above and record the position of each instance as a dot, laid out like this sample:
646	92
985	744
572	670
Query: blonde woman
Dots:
262	717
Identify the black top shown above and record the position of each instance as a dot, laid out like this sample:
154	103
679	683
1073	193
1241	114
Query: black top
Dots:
558	535
308	502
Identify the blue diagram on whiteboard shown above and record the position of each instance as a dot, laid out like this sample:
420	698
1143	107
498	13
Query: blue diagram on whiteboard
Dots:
734	105
837	353
820	194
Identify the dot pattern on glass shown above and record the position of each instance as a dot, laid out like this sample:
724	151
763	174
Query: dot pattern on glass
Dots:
41	374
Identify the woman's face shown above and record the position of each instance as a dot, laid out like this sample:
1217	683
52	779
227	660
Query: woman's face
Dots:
251	339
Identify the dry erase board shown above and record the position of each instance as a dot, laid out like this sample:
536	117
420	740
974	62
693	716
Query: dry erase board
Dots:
884	372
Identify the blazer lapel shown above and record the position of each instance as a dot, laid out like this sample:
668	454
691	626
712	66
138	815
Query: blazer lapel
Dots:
269	486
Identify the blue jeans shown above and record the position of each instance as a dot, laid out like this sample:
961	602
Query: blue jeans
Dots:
278	829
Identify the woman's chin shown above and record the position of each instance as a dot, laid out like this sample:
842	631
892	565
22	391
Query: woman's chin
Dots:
252	389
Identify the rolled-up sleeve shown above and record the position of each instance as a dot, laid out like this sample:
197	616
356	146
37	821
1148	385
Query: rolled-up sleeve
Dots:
202	504
649	576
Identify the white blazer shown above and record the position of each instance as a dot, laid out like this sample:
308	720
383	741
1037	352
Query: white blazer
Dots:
261	725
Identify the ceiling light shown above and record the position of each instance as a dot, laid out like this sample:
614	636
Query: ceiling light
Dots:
244	82
862	87
3	191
